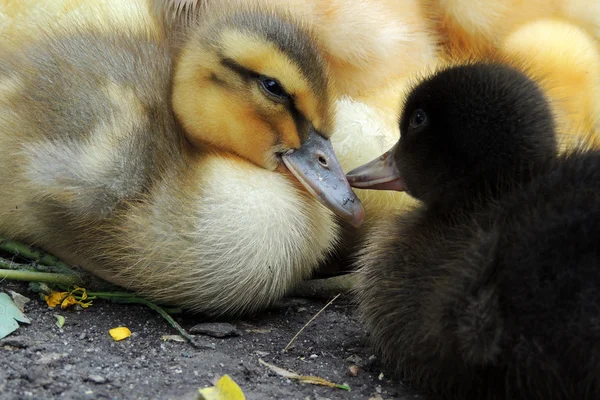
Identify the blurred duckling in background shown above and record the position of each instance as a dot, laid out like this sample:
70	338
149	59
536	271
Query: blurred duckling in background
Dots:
558	41
491	288
101	173
565	61
465	26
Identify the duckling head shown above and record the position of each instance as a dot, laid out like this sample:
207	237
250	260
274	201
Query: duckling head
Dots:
461	130
254	83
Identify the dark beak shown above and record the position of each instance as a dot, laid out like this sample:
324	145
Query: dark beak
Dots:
379	174
316	166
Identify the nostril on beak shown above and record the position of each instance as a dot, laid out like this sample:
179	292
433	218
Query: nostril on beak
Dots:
322	160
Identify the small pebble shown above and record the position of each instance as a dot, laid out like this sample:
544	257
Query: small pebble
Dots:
99	379
36	375
313	356
216	330
353	370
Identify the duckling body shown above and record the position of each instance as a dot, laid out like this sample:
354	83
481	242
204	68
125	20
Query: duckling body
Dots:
490	289
100	173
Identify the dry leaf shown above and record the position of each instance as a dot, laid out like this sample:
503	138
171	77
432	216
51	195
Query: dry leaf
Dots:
224	389
9	315
303	378
174	338
19	300
66	299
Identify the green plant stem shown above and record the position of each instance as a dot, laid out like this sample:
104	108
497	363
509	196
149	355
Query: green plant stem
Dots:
29	253
4	263
122	297
33	276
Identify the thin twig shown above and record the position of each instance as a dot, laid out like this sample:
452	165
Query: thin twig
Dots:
311	320
123	297
326	287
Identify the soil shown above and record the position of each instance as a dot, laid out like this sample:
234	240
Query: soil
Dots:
81	360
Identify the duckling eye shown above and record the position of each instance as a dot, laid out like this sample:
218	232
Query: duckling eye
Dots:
273	88
417	118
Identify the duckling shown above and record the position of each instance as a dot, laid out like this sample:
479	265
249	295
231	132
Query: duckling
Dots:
357	40
467	26
490	289
567	31
565	60
102	172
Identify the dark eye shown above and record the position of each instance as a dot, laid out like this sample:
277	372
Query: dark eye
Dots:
417	118
273	87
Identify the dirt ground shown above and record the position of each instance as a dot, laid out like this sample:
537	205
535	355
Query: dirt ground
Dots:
81	361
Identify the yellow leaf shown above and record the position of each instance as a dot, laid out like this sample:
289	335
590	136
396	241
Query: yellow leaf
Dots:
120	333
55	298
225	389
67	299
67	302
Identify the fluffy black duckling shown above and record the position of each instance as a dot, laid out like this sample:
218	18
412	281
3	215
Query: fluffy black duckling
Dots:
491	288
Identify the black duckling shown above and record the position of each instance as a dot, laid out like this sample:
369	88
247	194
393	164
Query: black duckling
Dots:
490	289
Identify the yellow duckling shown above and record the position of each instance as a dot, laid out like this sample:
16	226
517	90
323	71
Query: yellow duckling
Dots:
101	173
566	63
559	40
360	39
361	42
468	25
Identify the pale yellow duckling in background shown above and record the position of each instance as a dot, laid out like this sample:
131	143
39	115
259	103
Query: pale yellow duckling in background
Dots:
470	25
567	65
558	39
101	174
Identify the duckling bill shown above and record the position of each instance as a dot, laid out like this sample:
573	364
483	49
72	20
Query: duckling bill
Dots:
378	174
316	166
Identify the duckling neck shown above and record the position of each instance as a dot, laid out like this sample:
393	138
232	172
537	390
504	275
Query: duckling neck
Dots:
471	194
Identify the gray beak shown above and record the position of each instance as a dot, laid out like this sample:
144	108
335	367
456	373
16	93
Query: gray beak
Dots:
316	166
379	174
